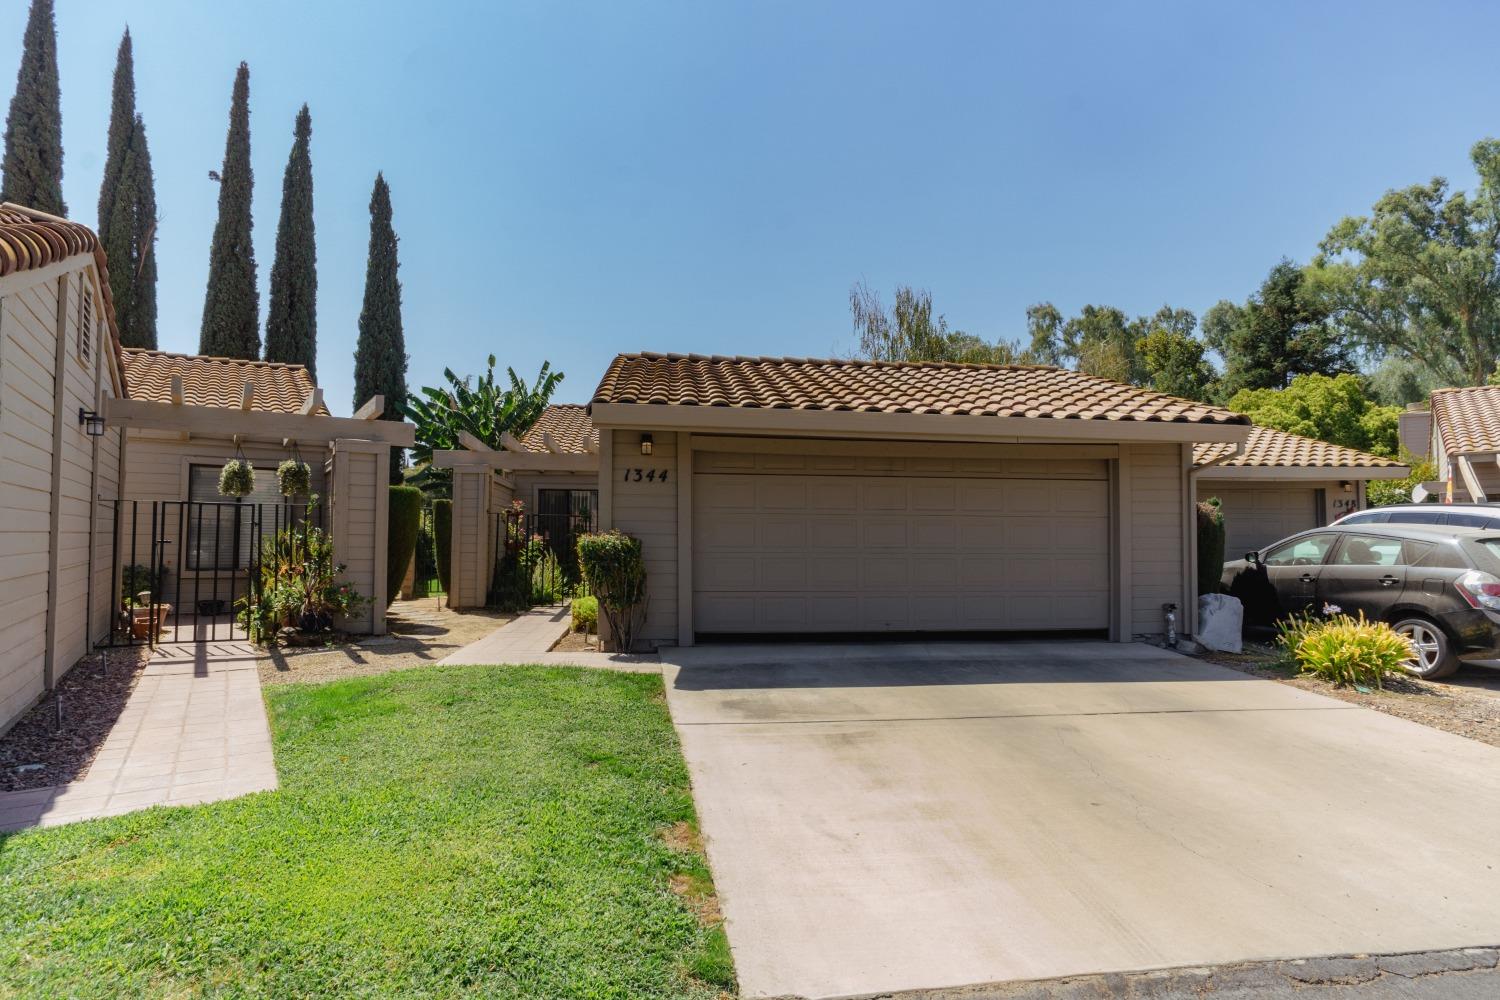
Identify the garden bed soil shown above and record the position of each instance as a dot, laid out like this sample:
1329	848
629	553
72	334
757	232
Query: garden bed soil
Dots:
1465	704
92	699
577	642
421	632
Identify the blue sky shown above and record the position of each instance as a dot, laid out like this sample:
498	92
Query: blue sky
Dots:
575	180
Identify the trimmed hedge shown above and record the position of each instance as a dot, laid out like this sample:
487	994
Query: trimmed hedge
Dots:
442	541
1210	546
614	570
401	536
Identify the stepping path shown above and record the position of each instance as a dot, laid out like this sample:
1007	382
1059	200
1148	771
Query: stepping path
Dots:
529	637
194	730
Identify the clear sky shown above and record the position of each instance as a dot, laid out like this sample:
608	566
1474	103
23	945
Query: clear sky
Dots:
575	180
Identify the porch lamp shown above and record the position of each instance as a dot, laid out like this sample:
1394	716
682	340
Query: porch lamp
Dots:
645	444
93	423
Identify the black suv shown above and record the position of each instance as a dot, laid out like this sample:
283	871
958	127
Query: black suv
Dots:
1438	586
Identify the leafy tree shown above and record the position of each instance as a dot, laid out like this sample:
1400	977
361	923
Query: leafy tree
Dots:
1104	341
1420	276
1175	363
1335	409
127	209
129	240
910	331
1044	324
231	309
1384	492
480	407
1280	332
33	165
292	321
1397	381
380	355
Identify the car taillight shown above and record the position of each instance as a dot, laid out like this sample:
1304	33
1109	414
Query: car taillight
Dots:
1480	589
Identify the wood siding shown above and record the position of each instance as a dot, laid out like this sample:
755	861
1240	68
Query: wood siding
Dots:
1155	557
647	509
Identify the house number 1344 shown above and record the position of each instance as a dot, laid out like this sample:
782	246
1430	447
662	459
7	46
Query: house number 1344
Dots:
647	475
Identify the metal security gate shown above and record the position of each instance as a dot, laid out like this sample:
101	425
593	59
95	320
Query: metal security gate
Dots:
537	564
184	570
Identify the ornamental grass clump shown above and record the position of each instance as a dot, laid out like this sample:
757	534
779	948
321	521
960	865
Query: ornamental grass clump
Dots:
1346	650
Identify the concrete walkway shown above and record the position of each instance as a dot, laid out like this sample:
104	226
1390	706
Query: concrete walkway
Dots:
528	638
194	730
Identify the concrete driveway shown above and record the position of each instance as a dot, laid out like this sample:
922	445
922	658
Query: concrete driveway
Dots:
894	817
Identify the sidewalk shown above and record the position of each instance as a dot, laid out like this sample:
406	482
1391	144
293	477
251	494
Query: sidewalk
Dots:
193	731
528	638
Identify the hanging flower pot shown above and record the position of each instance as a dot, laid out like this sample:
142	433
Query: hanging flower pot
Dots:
237	478
293	477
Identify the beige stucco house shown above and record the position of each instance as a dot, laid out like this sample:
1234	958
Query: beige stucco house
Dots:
782	495
108	454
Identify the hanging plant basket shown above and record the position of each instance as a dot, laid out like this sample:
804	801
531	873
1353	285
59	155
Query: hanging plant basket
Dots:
294	477
237	478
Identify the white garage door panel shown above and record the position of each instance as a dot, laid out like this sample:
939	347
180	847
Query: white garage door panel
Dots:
1254	517
808	553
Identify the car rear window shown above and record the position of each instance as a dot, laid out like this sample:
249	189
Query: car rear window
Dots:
1366	517
1418	517
1472	520
1441	556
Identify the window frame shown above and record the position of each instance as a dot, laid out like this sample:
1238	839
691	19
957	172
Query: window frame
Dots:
1333	539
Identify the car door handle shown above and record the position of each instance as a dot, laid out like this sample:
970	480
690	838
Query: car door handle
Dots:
1306	578
1389	581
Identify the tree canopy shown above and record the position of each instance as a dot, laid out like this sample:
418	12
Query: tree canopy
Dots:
380	354
1280	332
911	332
33	163
127	210
292	319
231	307
1336	409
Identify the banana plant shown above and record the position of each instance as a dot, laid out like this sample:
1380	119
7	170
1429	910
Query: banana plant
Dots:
480	406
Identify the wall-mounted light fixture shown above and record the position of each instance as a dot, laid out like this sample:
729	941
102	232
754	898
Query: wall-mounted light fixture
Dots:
645	444
1346	486
92	423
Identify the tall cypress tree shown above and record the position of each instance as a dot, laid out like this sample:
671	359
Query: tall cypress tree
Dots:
33	166
292	321
231	308
127	210
380	357
129	238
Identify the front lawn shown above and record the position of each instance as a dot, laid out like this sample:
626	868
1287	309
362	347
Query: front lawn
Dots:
492	832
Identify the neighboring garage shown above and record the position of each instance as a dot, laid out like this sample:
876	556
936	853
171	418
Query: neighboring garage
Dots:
781	496
1280	483
879	542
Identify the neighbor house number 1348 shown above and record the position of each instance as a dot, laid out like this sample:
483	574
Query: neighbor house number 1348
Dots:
646	475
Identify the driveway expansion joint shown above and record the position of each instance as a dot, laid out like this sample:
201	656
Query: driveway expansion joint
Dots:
1019	715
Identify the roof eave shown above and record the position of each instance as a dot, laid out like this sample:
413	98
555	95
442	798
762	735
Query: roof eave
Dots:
1273	473
763	420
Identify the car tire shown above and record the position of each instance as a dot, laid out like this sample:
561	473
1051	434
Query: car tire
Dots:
1435	657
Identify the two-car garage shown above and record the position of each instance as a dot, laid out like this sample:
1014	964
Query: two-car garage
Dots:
956	539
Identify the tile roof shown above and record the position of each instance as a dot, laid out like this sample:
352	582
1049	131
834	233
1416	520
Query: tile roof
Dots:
279	388
1267	447
30	239
1468	420
567	423
891	387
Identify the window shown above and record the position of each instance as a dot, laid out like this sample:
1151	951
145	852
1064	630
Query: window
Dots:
1369	550
1472	520
580	504
1418	517
1366	517
1309	550
219	528
1442	555
85	321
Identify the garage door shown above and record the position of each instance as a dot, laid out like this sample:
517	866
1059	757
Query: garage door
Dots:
828	544
1254	517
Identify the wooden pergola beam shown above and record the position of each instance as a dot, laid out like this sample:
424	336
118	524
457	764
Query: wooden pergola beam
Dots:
372	410
219	421
312	402
512	461
247	396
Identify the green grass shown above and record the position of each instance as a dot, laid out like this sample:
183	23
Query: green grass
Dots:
445	832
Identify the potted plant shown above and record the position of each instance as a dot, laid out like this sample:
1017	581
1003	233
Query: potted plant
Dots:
294	477
237	478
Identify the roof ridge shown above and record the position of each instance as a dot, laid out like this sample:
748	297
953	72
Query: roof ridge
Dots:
213	357
850	362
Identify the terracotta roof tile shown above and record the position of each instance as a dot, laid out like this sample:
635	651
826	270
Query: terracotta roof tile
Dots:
1468	420
30	239
891	387
279	388
567	423
1267	447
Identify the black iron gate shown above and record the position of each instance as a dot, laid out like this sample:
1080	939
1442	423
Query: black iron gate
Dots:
185	569
536	558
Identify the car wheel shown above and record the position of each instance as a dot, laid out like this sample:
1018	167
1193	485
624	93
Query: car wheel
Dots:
1434	652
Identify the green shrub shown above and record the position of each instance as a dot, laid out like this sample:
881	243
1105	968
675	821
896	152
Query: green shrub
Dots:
136	578
585	614
1210	545
405	514
616	572
442	541
547	584
1346	650
298	586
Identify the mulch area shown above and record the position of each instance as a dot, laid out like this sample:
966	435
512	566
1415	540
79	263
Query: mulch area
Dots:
422	632
93	694
1455	708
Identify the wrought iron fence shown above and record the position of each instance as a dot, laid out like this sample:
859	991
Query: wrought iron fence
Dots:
536	559
425	580
184	569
